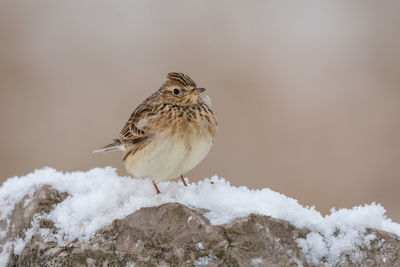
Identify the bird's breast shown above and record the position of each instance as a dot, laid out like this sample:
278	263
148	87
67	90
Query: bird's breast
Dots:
170	153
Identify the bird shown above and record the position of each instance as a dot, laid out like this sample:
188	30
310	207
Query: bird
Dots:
169	133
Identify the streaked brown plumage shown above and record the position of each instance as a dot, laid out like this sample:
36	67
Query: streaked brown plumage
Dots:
169	133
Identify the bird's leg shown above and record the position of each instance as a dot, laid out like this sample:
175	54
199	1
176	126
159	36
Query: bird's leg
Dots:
155	186
183	180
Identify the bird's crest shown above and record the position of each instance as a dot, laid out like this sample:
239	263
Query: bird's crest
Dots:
181	78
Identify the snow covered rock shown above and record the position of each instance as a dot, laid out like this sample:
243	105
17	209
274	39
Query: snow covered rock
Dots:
97	218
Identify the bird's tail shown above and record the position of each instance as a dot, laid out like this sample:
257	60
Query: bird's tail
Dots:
117	145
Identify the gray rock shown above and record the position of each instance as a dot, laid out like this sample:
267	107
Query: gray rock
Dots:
42	201
175	235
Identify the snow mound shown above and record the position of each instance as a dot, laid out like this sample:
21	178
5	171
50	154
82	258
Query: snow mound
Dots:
99	196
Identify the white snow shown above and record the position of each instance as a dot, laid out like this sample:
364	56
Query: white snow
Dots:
199	245
99	196
206	260
256	261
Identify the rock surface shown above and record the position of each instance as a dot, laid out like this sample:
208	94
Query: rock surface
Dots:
175	235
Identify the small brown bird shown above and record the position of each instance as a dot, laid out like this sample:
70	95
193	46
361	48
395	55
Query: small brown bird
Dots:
169	133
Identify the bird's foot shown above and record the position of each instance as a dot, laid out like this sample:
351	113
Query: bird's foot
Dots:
155	186
183	180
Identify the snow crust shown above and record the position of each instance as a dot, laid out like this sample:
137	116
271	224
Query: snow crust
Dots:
99	196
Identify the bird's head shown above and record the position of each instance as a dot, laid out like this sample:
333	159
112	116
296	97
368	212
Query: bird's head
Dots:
180	89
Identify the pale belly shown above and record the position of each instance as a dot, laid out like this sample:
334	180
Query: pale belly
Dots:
167	157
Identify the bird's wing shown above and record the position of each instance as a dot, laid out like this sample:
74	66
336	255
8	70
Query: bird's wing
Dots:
137	128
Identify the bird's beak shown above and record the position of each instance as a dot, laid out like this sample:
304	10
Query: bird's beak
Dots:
198	90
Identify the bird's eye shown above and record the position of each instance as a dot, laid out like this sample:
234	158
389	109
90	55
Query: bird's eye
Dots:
176	91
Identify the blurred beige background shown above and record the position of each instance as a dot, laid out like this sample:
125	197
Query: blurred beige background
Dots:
307	93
